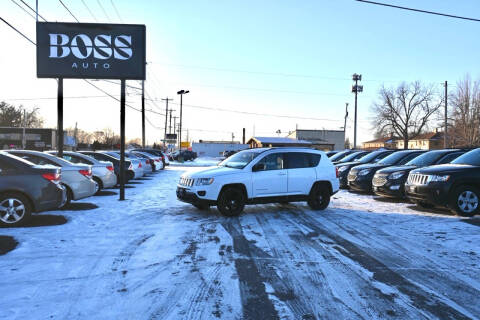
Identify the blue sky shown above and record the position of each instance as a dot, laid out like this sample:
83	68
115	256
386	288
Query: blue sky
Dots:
275	57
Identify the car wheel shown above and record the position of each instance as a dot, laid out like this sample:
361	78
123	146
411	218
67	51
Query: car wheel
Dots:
98	185
231	201
465	201
15	209
69	197
319	198
202	206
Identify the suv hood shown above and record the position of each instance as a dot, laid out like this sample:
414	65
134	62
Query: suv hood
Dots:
396	168
212	172
444	168
370	166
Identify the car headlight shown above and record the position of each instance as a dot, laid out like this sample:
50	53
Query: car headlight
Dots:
204	181
363	172
436	178
396	175
343	168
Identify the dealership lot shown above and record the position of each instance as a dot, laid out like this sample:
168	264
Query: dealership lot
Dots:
152	256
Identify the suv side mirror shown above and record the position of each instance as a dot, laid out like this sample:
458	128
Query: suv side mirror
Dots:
259	167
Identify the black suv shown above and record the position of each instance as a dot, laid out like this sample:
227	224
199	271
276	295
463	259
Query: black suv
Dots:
352	157
390	182
360	177
372	157
455	186
186	155
27	188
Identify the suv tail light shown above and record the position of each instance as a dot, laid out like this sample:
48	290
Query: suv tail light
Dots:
337	173
148	161
140	165
110	168
86	173
52	177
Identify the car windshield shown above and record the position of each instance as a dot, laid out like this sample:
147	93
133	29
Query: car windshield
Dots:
352	156
393	158
471	158
426	159
339	155
371	157
239	160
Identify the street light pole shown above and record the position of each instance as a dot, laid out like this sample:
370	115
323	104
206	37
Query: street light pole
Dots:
181	93
356	89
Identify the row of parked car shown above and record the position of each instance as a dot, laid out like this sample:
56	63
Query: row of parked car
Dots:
33	181
447	178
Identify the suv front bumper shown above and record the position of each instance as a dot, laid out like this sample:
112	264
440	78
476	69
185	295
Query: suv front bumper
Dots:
433	193
186	195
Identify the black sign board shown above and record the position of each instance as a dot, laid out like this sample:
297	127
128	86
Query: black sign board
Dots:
90	51
171	136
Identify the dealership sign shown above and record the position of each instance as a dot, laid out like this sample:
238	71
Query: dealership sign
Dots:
90	51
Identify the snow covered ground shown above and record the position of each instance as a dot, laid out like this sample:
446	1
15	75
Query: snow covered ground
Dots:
198	162
153	257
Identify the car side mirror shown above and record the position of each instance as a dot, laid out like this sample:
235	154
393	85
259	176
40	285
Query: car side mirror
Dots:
259	167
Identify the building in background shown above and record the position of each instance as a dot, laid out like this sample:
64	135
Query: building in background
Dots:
271	142
384	142
216	148
321	139
425	141
35	138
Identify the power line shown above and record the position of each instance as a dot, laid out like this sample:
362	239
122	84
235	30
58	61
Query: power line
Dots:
66	8
34	11
418	10
115	8
19	32
103	9
91	13
25	10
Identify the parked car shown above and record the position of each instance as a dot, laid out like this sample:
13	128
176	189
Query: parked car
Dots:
455	186
262	175
351	157
76	178
155	162
228	153
26	188
390	182
158	153
144	162
108	158
331	153
102	171
372	157
342	154
360	177
135	169
186	155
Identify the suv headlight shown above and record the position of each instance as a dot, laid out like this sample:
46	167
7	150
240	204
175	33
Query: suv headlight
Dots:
204	181
363	172
436	178
343	168
396	175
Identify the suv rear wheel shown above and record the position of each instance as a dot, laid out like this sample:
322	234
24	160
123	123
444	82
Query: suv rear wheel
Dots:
15	209
465	201
231	201
319	197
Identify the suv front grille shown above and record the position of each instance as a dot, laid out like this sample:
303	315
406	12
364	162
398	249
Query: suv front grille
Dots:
188	182
418	179
379	180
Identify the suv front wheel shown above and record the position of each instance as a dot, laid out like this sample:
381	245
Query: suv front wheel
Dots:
231	201
465	201
319	197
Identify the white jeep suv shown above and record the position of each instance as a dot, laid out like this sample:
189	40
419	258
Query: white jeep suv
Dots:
263	175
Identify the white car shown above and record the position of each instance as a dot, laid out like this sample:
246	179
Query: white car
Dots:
263	175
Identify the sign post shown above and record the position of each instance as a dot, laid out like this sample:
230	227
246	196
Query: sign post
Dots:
92	51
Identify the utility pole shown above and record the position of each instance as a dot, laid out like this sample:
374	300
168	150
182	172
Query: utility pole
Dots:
75	136
446	116
233	137
24	140
143	113
166	117
243	137
170	125
181	93
346	116
356	89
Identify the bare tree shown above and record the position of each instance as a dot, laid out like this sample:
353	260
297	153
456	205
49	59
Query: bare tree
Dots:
466	113
406	110
13	116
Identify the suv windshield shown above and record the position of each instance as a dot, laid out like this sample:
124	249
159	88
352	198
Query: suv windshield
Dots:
426	159
239	160
340	155
393	158
353	156
471	158
372	156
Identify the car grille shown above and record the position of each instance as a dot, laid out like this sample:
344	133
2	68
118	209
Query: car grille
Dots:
417	179
352	176
188	182
379	180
